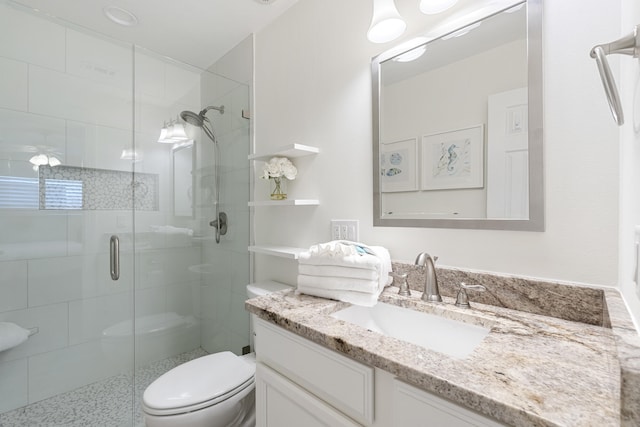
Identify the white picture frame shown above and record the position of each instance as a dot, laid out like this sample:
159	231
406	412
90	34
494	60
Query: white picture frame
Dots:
453	159
399	166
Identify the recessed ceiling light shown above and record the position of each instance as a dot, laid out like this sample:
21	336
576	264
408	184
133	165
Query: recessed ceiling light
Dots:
120	16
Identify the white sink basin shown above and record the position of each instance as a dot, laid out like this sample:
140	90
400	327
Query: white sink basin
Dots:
451	337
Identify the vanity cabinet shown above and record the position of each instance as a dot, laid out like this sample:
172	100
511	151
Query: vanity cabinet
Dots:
301	383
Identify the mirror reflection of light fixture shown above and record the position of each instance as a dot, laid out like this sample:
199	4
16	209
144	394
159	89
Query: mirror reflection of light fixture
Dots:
462	31
172	133
411	54
131	154
431	7
386	22
43	159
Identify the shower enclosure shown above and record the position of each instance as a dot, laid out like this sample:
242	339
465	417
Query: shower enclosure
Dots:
80	163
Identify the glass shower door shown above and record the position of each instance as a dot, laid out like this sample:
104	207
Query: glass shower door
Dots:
66	186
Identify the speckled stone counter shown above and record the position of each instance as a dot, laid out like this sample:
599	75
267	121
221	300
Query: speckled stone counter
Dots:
531	370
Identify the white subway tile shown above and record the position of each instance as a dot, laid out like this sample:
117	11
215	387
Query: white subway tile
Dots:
13	84
54	280
149	74
32	234
63	95
31	39
22	130
63	370
96	59
13	285
13	387
88	318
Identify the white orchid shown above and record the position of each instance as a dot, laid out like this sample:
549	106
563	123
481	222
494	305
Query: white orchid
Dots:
279	167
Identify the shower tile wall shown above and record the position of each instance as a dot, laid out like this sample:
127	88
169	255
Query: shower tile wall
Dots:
69	94
225	323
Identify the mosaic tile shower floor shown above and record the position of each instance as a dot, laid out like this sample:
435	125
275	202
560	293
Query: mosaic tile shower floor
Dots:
106	403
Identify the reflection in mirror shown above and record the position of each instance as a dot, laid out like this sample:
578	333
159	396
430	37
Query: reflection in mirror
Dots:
458	125
183	158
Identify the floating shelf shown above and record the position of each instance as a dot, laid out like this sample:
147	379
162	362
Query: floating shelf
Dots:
288	202
278	251
289	150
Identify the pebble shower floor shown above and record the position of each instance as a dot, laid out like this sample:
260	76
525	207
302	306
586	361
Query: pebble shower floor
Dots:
106	403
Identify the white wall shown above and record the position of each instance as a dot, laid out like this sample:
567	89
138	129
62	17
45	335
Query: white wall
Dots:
629	87
313	86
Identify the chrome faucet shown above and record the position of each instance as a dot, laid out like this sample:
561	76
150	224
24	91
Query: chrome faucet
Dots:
431	290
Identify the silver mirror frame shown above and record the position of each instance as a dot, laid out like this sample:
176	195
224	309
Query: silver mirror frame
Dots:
536	169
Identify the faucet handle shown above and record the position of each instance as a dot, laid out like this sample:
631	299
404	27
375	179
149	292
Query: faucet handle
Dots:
462	300
402	283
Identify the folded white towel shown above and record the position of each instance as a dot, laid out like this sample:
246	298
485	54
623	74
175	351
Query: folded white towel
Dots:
376	257
339	283
338	271
352	297
12	335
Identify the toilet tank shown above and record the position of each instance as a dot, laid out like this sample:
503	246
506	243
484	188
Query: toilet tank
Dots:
259	289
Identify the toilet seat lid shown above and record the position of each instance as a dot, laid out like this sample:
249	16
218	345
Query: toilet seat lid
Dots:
197	381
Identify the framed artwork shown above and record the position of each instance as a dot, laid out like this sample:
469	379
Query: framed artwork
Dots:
453	160
399	166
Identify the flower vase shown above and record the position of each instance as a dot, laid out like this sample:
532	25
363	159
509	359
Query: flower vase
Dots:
278	190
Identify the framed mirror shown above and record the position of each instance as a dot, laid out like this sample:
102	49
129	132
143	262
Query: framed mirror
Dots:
457	123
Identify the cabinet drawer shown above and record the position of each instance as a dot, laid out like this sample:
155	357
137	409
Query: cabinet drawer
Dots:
415	407
343	383
281	403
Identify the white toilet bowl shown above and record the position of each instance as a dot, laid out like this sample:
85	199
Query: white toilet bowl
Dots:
217	390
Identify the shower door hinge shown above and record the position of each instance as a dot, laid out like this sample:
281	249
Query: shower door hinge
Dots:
246	114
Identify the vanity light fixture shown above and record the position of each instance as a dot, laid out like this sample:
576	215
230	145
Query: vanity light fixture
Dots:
431	7
386	22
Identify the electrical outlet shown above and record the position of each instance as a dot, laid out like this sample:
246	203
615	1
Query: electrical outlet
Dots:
344	229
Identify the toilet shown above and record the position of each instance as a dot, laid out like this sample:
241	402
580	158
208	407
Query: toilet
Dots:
217	390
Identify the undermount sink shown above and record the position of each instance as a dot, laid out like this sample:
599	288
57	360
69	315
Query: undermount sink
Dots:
451	337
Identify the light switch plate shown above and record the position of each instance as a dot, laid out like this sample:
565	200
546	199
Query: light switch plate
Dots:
344	229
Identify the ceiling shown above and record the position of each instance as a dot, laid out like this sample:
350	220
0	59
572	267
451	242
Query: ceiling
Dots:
197	32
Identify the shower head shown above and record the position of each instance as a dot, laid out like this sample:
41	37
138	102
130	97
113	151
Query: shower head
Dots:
199	119
193	118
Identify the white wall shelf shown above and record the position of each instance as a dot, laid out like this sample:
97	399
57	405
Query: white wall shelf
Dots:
288	202
290	150
278	251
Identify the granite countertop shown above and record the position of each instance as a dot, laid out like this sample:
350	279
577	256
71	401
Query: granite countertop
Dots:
530	370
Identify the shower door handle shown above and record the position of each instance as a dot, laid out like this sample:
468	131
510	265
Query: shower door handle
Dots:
114	257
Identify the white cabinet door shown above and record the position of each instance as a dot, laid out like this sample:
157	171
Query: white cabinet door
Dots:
281	403
418	408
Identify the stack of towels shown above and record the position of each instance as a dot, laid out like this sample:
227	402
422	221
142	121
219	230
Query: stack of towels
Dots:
345	271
